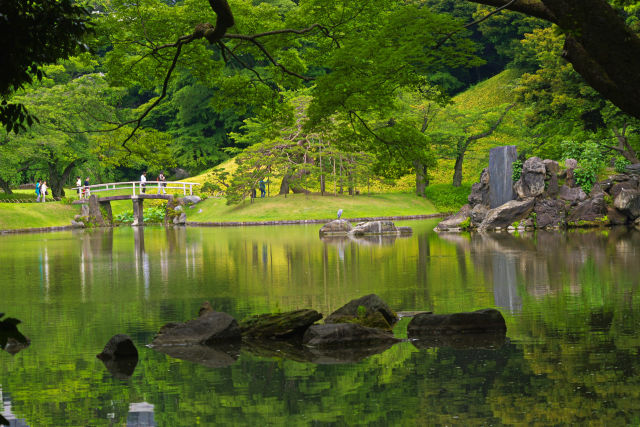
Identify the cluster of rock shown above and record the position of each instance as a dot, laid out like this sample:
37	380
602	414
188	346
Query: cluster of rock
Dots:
547	197
358	329
342	227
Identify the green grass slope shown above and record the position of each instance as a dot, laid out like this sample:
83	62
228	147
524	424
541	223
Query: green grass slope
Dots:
35	215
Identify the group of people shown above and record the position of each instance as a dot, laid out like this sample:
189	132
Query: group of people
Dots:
162	183
83	191
41	190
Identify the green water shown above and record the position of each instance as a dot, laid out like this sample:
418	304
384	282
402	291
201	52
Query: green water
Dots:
570	301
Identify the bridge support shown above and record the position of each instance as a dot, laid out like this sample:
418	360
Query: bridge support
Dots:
105	208
138	212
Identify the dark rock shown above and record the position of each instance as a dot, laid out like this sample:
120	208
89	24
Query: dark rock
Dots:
345	335
489	340
11	339
616	217
605	185
336	227
453	222
570	180
551	167
219	356
119	346
507	214
552	186
572	195
549	213
633	169
480	190
590	210
481	321
374	227
279	325
121	368
95	215
501	172
623	185
210	328
478	214
371	303
596	189
628	202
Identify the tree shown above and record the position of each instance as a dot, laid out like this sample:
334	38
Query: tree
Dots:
37	33
602	48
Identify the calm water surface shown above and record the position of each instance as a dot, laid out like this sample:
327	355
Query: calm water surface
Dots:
571	301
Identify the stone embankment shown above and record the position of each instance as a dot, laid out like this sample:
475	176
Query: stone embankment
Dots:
547	197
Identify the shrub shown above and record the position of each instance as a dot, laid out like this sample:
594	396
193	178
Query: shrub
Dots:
517	170
621	164
446	197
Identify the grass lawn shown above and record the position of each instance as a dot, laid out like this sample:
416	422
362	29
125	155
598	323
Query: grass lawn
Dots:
35	215
300	206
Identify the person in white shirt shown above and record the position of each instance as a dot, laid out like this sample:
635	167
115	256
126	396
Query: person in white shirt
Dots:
143	182
79	185
43	190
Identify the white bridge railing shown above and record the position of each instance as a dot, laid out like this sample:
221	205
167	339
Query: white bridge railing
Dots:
137	187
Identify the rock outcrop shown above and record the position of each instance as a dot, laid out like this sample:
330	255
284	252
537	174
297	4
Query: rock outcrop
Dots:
507	214
337	227
210	328
369	310
341	227
531	182
480	321
279	325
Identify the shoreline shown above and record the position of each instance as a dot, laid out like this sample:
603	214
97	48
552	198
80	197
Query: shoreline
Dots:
241	223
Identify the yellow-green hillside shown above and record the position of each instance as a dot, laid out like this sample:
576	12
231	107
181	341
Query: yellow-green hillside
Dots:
35	215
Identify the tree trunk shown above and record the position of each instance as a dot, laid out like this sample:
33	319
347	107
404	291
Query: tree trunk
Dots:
5	186
56	180
422	179
457	170
284	186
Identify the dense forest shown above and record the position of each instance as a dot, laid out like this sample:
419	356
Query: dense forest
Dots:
311	96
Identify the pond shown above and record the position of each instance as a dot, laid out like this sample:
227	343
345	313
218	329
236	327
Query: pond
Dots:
570	300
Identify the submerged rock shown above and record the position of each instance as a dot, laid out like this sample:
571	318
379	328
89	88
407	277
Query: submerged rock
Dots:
212	327
345	335
358	310
480	321
279	325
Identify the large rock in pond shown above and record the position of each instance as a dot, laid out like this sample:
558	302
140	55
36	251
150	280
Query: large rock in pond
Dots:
374	227
480	190
368	306
454	222
590	212
478	214
550	213
475	322
279	325
210	328
505	215
119	346
628	201
345	335
531	182
337	227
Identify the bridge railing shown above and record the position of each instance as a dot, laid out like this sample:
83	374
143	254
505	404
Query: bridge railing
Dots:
137	187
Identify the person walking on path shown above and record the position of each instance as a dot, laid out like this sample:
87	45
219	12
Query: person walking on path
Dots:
86	188
162	183
38	190
43	191
79	186
143	182
261	185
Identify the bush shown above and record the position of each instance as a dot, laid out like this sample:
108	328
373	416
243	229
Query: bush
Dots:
621	164
446	197
590	162
124	217
517	170
154	214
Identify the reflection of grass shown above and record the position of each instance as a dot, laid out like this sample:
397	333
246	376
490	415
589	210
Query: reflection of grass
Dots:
299	206
33	215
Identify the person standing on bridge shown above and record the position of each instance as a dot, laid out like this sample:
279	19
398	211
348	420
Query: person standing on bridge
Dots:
143	182
86	188
162	183
79	185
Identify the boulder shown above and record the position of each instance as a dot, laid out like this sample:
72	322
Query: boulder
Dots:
481	321
374	227
593	209
119	346
405	230
571	163
552	186
11	339
478	214
551	167
549	213
190	200
616	217
210	328
505	215
343	335
628	202
453	222
572	195
77	224
279	325
337	227
622	185
605	185
362	308
180	219
531	182
480	190
596	189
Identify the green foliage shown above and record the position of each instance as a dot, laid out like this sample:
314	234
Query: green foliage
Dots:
125	217
466	224
621	164
590	161
361	312
154	214
517	170
446	197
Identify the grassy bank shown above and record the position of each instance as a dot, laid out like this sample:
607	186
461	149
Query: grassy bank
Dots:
300	207
34	215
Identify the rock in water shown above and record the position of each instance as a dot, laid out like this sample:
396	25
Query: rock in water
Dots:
345	335
118	346
362	308
279	325
210	328
338	227
481	321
